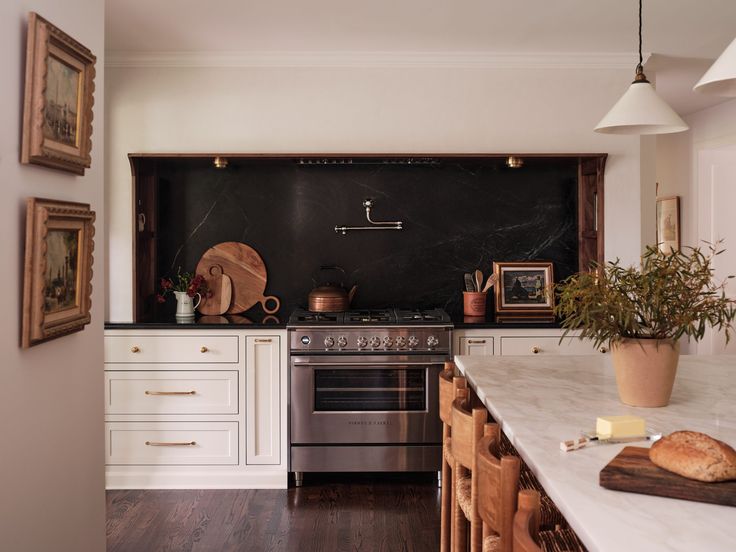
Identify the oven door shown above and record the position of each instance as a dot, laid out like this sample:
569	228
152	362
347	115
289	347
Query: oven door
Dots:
370	399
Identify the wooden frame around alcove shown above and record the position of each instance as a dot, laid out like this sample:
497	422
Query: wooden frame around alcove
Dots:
144	167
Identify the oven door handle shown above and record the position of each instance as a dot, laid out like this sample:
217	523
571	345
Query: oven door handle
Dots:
368	364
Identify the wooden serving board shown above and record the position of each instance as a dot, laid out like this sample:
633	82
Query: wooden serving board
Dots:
247	273
634	472
220	291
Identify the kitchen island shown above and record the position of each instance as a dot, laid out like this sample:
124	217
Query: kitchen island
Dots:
540	401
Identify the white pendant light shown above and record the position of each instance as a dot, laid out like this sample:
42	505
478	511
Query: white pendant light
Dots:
640	110
720	79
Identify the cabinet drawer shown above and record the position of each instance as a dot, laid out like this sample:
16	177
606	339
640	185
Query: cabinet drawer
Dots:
171	349
547	346
157	392
171	443
476	346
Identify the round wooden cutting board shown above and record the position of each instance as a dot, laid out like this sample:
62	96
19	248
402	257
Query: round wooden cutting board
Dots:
247	273
220	289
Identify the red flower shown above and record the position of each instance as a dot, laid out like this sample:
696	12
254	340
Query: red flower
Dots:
166	283
160	298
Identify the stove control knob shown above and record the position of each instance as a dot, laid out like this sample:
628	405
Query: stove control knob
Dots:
375	342
388	342
400	341
362	342
413	342
432	341
342	341
329	342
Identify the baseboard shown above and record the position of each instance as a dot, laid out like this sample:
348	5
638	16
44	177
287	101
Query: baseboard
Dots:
141	479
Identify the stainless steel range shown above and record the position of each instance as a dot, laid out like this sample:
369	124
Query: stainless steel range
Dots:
363	390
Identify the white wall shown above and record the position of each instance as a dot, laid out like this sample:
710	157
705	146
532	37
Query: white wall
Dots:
677	161
51	401
678	174
362	110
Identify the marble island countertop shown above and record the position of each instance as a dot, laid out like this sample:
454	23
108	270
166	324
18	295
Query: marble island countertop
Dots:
542	401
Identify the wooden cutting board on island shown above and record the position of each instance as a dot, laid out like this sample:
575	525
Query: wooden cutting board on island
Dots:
632	471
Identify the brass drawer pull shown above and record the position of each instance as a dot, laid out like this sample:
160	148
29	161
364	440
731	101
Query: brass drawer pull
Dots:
135	349
263	340
203	349
536	350
171	444
476	341
602	349
171	392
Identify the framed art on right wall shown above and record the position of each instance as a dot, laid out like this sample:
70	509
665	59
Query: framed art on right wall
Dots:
668	223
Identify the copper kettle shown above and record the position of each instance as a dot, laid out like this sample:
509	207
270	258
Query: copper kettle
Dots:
330	297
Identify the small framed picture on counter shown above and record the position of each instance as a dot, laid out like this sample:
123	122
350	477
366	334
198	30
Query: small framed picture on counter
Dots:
668	223
58	269
524	290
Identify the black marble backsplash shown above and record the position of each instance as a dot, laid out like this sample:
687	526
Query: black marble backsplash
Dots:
458	215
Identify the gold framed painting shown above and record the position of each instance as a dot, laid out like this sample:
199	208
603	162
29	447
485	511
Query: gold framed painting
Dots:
668	223
524	289
57	107
57	283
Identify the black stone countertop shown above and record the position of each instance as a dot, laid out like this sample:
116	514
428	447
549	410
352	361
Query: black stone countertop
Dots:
228	321
485	323
278	321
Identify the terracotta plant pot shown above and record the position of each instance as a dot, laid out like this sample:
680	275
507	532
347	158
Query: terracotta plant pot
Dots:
645	370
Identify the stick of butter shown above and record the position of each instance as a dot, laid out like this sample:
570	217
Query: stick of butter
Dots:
612	427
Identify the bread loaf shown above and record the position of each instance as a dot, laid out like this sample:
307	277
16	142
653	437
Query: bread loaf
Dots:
695	456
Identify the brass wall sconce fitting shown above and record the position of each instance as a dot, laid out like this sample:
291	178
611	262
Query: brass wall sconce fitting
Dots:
514	162
220	162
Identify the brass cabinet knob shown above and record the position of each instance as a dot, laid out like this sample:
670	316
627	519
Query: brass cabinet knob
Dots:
536	350
203	349
135	349
602	349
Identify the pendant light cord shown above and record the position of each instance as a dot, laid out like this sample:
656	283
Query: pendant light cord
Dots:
639	68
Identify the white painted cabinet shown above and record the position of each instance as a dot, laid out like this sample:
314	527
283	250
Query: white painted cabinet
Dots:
262	404
195	408
480	345
520	341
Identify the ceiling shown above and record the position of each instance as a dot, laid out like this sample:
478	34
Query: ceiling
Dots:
685	35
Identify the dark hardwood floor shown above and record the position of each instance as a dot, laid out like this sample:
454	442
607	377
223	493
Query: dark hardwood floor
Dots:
330	513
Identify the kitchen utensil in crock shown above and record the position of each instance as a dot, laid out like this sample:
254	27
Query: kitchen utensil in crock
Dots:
220	291
247	273
490	282
469	283
328	296
478	276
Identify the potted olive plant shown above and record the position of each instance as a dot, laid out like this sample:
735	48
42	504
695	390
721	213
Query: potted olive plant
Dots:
642	313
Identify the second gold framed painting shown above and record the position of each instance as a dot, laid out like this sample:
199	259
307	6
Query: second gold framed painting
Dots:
58	269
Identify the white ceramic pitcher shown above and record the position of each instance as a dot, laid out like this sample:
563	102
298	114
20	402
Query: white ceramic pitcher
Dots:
185	305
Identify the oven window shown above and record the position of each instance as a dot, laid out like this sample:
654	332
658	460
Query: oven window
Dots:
367	389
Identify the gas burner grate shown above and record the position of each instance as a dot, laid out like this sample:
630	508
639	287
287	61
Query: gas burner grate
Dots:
317	318
431	315
370	317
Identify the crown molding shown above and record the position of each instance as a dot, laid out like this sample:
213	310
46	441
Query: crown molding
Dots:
376	59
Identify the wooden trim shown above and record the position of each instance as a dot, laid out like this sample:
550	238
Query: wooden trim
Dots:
344	155
591	224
